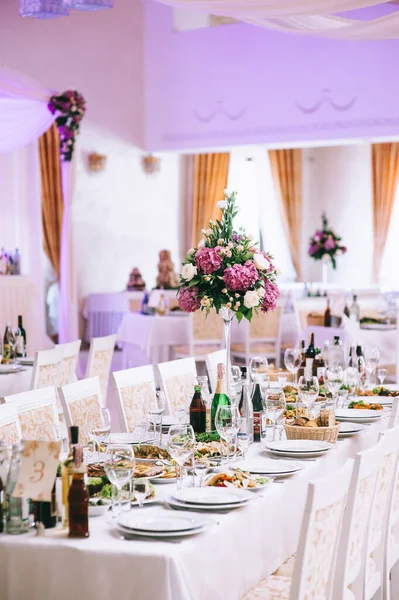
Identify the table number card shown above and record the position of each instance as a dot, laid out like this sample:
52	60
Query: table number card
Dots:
37	471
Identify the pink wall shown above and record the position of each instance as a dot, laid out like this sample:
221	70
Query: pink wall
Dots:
239	84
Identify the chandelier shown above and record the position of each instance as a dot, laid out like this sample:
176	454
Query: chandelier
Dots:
50	9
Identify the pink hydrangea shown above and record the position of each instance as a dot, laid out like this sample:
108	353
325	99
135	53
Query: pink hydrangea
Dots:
240	278
270	298
188	298
208	260
329	244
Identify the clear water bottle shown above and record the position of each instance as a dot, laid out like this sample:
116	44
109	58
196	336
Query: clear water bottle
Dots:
17	520
247	412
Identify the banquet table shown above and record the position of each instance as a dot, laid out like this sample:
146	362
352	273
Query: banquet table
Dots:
14	383
222	563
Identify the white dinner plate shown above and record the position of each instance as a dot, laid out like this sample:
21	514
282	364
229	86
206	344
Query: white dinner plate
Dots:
383	400
28	361
212	495
164	479
358	415
160	524
299	446
176	504
270	467
7	369
348	429
129	534
146	501
378	326
126	438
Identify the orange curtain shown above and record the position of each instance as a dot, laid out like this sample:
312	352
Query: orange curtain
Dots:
52	201
385	161
287	175
210	173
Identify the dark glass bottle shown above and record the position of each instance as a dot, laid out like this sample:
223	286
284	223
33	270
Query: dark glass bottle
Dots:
301	370
327	315
78	498
244	376
198	411
21	341
6	347
46	512
310	355
346	310
258	409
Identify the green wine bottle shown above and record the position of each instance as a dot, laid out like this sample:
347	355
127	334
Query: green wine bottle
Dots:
220	398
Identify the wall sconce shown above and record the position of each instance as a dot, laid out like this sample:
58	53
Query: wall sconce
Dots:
97	162
151	164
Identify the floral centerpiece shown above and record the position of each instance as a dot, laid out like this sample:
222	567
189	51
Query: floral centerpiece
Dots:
326	244
228	272
70	108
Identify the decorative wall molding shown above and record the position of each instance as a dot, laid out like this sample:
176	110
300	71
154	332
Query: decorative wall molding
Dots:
219	110
326	97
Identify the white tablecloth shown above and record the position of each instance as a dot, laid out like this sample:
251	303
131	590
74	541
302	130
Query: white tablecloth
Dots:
221	564
385	341
14	383
18	296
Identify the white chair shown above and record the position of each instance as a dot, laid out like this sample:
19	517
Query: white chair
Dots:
174	377
100	360
133	387
212	360
104	314
351	550
35	408
261	336
46	368
70	355
77	399
10	430
206	335
371	582
394	414
314	566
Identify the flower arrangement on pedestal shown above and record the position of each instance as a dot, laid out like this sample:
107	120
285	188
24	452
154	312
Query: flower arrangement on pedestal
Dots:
227	271
326	244
70	107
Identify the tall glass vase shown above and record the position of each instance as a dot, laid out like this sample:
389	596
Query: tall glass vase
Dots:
325	272
227	315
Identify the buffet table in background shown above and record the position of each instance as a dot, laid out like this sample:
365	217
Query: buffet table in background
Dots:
18	296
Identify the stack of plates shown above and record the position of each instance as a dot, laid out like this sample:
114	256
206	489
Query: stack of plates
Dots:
348	429
358	415
299	448
271	468
130	524
209	499
126	438
6	369
27	361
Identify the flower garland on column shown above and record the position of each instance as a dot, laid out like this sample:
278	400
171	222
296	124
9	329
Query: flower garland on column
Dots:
70	108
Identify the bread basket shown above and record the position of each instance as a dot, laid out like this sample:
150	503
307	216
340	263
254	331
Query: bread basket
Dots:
321	434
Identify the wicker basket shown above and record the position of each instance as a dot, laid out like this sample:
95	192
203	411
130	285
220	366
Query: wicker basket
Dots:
322	434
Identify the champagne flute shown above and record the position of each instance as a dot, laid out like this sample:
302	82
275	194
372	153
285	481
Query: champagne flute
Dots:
334	377
181	446
274	406
119	467
292	361
227	422
372	360
141	487
236	387
154	408
381	374
98	424
308	391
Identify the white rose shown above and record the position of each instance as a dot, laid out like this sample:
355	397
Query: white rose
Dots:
251	299
261	292
191	251
188	272
260	261
208	232
240	248
201	243
221	204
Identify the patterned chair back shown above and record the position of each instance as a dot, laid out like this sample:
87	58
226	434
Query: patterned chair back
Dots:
70	355
100	360
77	399
207	328
10	431
321	525
133	387
35	408
174	377
46	368
265	325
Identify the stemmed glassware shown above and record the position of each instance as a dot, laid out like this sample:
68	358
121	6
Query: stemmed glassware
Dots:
119	467
333	378
274	406
98	424
154	408
292	361
308	391
141	487
372	360
258	366
227	422
181	446
381	374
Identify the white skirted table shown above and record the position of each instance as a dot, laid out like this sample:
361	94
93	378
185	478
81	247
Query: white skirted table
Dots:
18	296
222	563
14	383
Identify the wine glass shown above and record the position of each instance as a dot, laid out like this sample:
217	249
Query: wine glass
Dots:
12	340
141	488
154	407
308	391
258	366
282	379
119	467
98	424
381	374
372	360
181	446
274	406
227	422
292	360
334	377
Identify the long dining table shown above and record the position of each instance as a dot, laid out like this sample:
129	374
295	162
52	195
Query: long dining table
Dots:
222	563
